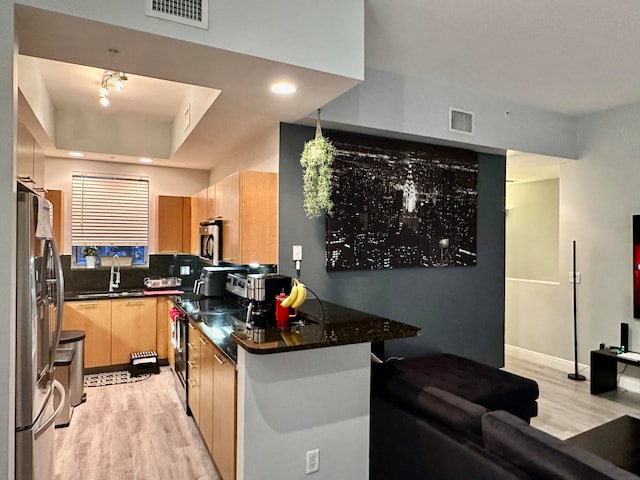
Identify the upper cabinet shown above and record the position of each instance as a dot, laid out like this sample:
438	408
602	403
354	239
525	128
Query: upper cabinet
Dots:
173	224
199	213
248	204
30	164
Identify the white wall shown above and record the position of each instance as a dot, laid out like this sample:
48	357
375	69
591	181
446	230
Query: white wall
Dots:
420	106
329	34
162	181
292	402
532	230
8	117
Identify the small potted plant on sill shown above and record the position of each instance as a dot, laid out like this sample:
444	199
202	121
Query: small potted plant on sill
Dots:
90	254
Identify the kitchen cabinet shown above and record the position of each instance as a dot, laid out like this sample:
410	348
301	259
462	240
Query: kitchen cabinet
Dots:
133	328
163	328
30	159
247	203
94	318
199	213
224	415
56	197
206	391
173	224
193	372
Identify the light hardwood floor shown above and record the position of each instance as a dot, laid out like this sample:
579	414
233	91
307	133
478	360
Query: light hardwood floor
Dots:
132	431
565	407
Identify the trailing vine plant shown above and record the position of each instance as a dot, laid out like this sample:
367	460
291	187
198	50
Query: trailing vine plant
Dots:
317	157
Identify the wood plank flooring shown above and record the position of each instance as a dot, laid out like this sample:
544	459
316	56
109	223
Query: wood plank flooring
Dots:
565	407
132	431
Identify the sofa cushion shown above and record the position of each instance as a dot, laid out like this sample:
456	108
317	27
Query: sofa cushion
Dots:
488	386
541	455
444	407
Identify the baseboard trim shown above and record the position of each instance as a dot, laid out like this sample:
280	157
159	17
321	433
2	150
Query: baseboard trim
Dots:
546	360
630	383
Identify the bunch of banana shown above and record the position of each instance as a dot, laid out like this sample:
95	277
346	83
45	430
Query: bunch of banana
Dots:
297	296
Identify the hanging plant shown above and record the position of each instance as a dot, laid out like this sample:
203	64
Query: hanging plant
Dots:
317	157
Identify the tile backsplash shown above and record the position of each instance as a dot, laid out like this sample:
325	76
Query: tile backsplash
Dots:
160	266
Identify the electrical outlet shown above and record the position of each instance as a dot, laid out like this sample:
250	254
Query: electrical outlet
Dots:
313	461
297	252
575	277
185	270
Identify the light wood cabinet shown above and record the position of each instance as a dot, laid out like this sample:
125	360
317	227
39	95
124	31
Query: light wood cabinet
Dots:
247	202
199	213
163	329
30	159
206	391
133	327
94	318
173	224
193	372
224	415
56	197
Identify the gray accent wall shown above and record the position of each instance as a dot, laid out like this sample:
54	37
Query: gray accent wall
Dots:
460	309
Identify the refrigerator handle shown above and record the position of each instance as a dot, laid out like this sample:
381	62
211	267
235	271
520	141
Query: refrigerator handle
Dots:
59	297
63	397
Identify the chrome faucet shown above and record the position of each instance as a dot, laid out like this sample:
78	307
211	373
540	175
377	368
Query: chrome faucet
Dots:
114	276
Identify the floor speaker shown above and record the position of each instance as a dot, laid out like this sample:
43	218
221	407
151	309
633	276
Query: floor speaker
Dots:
624	337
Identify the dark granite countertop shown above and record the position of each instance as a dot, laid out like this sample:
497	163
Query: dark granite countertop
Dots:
337	326
104	295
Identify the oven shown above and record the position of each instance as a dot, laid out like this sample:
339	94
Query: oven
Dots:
179	344
210	244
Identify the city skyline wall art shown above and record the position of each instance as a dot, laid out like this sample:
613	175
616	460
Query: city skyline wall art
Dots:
400	204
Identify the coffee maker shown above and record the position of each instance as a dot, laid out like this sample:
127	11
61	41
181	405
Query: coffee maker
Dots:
262	290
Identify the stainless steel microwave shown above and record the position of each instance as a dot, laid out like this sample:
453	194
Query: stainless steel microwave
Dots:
210	241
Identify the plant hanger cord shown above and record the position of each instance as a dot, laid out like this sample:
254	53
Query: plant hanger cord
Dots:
318	128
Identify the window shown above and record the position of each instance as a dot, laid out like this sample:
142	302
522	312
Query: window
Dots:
110	212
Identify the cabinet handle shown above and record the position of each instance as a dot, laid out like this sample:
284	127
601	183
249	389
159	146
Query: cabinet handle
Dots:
221	362
191	327
203	342
192	383
191	347
87	305
135	302
192	365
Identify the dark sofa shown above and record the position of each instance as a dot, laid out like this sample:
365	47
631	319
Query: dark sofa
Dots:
423	433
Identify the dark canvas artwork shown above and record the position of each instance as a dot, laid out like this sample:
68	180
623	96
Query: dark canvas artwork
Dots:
400	204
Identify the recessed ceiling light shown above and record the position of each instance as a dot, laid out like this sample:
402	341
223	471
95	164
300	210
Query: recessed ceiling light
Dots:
145	160
75	154
283	88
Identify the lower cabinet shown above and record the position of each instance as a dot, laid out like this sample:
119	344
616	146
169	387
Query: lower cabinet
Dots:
163	328
94	318
193	372
113	328
224	415
133	328
212	400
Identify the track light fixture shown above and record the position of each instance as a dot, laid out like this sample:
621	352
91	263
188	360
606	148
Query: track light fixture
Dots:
118	84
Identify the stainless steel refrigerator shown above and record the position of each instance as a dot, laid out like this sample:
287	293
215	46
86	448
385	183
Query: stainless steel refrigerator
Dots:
39	304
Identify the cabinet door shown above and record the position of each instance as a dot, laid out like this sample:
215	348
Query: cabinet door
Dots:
38	165
211	201
24	164
206	392
94	318
193	372
224	415
133	328
169	224
259	217
162	328
230	213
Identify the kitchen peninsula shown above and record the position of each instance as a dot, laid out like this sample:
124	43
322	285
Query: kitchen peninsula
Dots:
303	388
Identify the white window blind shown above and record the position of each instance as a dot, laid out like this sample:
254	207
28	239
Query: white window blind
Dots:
109	210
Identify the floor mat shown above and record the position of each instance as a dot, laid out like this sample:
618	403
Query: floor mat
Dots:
112	378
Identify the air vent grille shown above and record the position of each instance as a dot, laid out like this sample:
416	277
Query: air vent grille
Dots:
461	121
189	12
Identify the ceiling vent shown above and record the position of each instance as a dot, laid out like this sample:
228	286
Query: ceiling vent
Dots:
461	121
189	12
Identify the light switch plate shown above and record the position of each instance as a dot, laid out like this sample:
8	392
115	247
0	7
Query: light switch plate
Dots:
297	252
185	270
